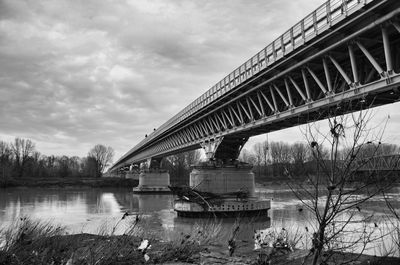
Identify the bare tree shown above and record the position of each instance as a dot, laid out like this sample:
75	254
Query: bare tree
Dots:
259	156
280	152
179	166
247	156
280	157
266	156
333	198
103	156
22	150
299	153
5	160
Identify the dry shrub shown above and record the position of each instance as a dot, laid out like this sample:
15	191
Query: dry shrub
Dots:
186	247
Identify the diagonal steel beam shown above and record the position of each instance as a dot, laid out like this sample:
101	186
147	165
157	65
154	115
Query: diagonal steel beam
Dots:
209	126
232	111
218	128
370	58
327	75
289	93
260	113
206	132
189	129
298	88
274	99
353	63
386	48
250	110
245	111
341	71
306	85
261	104
239	111
228	118
200	129
315	77
281	95
222	121
268	102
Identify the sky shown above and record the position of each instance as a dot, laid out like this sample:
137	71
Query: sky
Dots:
74	74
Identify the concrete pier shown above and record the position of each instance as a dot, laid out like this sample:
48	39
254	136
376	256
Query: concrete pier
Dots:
231	190
153	181
223	179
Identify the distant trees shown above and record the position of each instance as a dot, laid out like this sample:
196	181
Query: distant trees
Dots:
22	150
20	159
247	156
272	158
179	166
275	159
5	160
101	156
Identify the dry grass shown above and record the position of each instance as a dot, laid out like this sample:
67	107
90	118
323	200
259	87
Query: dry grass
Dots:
36	242
186	247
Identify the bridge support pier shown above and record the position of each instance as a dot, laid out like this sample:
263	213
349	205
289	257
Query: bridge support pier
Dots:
153	179
221	185
223	179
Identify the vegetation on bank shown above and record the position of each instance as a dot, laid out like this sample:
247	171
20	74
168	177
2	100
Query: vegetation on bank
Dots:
20	159
272	161
70	182
33	242
22	165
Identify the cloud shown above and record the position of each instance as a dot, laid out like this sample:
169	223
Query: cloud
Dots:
74	74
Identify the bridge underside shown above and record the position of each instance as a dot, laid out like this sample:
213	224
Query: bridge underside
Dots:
352	65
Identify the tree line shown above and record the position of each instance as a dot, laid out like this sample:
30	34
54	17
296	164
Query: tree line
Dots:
274	159
179	166
21	159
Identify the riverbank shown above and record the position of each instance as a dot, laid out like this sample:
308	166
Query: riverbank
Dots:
70	182
35	242
124	249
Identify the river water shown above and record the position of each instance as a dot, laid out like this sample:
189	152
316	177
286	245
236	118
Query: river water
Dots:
99	210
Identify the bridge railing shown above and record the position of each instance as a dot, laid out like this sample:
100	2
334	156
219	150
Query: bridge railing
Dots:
325	16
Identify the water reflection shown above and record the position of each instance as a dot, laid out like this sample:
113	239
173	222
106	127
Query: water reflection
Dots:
86	210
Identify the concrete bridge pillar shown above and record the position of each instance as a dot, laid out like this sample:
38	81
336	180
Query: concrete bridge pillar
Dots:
153	179
223	179
227	185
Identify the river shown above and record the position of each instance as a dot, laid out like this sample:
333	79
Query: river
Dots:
99	210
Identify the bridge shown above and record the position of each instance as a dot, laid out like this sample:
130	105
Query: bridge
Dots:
379	163
343	57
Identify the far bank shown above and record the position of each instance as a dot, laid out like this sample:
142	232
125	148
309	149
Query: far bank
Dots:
69	182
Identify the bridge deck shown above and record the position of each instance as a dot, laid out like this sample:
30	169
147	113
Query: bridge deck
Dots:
344	51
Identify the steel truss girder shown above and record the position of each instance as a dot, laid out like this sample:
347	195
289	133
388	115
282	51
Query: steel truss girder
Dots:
380	163
321	95
303	109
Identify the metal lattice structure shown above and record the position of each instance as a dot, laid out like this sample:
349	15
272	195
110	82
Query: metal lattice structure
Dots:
343	57
379	163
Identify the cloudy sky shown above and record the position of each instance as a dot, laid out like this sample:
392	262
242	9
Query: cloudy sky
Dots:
77	73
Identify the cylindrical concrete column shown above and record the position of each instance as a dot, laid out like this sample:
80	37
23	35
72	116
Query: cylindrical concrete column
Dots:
154	179
222	180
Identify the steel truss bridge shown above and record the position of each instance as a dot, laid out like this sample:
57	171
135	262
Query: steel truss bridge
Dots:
343	57
379	163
